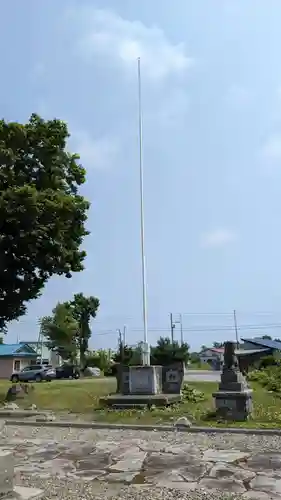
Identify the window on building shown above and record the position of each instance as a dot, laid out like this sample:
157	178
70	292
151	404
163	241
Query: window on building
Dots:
17	365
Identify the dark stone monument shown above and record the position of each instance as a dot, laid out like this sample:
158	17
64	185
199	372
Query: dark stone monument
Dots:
142	386
172	378
234	397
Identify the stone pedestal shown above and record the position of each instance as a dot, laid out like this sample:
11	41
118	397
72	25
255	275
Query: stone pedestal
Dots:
234	406
142	386
234	398
145	380
7	488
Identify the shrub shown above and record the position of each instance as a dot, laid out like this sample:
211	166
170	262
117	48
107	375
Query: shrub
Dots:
192	395
268	361
259	376
270	378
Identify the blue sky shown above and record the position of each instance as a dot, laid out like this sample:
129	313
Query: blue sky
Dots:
211	76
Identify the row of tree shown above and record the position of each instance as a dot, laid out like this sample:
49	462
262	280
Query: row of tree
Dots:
68	330
165	352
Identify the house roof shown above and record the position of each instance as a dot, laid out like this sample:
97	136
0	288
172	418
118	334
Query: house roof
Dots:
21	350
248	352
33	342
217	350
270	344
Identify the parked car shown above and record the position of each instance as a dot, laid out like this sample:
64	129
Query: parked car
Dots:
36	373
67	371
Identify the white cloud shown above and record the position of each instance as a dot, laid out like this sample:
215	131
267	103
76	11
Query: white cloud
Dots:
101	153
218	238
108	35
272	148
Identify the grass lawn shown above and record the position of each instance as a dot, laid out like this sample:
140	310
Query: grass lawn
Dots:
81	397
199	366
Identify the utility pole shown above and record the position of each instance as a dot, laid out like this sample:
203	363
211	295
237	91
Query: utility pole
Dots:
40	344
124	334
172	327
120	343
181	329
236	329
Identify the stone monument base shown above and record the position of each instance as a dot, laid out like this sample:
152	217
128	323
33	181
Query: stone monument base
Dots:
145	380
145	386
127	401
234	406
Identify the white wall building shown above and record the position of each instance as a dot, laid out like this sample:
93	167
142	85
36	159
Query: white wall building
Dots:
48	356
212	356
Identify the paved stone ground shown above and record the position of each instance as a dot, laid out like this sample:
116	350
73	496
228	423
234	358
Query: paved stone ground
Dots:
143	465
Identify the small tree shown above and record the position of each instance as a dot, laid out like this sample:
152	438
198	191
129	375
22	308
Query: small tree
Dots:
98	359
60	331
218	345
83	309
124	354
166	352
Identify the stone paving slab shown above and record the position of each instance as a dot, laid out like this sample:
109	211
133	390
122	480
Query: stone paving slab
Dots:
181	467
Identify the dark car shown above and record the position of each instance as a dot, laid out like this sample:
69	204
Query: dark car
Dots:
38	373
67	371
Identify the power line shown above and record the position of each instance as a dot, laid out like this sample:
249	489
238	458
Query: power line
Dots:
121	317
199	329
244	313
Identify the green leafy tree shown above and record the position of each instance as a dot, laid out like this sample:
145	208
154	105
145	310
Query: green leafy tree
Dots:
166	352
42	215
136	358
266	337
99	359
218	345
60	330
83	309
123	355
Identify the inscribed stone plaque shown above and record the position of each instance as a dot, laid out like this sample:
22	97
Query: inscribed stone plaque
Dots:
142	380
227	403
173	378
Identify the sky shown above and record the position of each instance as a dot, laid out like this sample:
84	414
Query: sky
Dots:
211	103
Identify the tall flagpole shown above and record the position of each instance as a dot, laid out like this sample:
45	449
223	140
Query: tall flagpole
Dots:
146	348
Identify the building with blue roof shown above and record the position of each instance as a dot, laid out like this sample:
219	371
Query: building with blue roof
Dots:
15	357
260	343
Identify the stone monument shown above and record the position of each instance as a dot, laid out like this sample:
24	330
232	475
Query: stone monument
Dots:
142	386
234	397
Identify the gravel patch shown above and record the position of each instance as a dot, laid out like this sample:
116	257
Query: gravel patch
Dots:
255	443
63	488
71	490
